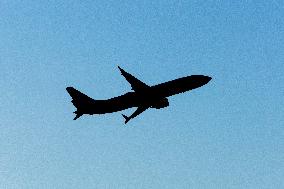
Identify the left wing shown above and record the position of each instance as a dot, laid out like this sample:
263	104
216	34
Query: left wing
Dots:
138	111
135	83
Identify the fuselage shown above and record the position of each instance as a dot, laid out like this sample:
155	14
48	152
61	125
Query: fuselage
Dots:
155	96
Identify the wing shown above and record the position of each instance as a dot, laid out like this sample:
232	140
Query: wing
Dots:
138	111
135	83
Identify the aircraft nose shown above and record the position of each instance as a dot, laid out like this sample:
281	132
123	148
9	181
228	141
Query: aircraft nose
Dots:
206	79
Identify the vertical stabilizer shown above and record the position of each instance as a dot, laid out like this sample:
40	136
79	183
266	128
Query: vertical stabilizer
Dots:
80	101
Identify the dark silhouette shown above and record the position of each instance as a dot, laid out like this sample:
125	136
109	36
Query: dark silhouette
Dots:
143	96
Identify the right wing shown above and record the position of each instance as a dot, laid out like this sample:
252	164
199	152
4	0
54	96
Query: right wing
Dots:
135	83
138	111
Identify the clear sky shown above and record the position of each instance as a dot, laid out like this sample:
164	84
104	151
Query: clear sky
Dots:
228	134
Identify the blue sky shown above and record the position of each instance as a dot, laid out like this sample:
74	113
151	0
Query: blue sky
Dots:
227	134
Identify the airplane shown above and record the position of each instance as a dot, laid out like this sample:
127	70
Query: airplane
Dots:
142	96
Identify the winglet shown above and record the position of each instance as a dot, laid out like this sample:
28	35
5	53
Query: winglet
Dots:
120	69
126	118
77	115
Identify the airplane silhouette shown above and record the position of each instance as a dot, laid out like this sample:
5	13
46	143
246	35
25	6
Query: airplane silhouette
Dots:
143	96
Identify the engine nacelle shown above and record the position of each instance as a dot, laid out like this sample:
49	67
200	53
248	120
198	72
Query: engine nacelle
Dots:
162	103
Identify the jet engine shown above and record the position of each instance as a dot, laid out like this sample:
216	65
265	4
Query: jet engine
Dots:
161	103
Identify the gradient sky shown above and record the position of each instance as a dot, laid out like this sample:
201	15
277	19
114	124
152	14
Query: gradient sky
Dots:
228	134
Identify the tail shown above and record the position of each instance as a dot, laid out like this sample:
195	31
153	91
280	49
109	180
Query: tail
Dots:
81	101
